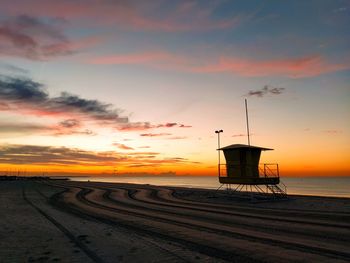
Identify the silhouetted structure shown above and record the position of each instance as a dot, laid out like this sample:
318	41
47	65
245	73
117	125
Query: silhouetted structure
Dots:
243	169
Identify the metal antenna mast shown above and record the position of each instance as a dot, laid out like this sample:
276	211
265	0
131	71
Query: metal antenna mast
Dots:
246	113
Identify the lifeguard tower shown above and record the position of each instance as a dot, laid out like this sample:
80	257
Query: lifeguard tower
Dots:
243	170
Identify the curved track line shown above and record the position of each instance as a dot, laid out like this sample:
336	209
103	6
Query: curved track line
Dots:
92	255
212	229
81	196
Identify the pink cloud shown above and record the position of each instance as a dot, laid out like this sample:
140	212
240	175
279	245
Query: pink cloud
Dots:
294	67
308	66
135	126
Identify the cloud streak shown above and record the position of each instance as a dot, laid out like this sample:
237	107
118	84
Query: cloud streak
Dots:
143	126
64	156
16	128
154	134
303	67
13	69
122	146
48	155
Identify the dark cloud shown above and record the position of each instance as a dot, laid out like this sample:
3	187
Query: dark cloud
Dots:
26	93
265	91
30	154
33	38
21	90
94	108
167	125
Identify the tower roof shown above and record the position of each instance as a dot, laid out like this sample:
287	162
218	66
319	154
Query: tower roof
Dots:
243	146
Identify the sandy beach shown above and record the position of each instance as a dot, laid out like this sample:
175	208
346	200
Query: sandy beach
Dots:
67	221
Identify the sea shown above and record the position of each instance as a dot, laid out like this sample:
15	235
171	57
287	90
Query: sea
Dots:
315	186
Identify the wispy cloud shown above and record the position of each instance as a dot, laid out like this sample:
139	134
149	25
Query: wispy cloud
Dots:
135	126
334	132
154	134
123	146
239	135
142	126
22	128
19	128
180	17
177	138
267	89
70	123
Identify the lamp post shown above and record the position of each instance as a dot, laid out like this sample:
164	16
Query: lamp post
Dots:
218	132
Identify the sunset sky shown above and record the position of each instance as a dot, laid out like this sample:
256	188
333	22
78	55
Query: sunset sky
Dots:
97	87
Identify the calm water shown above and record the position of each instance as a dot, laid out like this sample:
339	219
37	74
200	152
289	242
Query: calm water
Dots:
320	186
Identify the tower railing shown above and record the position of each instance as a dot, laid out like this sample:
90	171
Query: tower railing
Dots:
270	170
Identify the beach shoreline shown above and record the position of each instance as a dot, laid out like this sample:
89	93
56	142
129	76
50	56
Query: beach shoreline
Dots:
67	221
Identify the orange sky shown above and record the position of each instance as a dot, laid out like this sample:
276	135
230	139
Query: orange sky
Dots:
107	87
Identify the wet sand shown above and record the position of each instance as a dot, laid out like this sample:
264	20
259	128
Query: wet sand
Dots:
66	221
